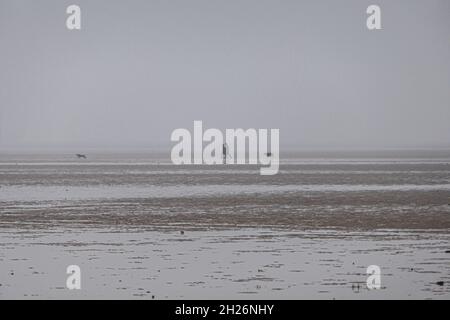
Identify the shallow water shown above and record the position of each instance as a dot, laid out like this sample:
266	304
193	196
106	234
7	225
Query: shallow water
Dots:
223	264
308	232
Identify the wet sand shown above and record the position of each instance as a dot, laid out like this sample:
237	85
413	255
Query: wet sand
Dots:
142	228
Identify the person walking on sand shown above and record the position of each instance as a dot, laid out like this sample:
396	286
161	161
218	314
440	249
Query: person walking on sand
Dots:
225	153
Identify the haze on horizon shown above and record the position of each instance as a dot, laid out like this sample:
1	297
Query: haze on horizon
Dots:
137	70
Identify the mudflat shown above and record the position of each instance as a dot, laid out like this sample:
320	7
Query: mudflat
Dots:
140	227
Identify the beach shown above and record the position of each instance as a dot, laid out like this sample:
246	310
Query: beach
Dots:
140	227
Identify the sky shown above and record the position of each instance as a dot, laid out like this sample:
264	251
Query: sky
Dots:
137	70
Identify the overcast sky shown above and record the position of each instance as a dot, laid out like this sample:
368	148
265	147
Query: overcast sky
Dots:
137	70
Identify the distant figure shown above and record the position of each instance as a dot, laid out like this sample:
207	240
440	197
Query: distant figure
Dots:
81	156
225	153
269	154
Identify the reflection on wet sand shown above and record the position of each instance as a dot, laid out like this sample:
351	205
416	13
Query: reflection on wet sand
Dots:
242	263
146	230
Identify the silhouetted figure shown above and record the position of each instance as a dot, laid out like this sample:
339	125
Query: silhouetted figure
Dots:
225	152
81	156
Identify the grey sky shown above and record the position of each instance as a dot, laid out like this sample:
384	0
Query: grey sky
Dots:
139	69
